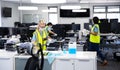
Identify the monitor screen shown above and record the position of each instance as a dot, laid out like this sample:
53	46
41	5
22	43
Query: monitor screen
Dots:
117	30
75	27
114	25
86	26
4	31
60	30
7	12
113	20
69	13
105	27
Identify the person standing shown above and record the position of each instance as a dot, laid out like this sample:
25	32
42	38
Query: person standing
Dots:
49	29
94	40
40	35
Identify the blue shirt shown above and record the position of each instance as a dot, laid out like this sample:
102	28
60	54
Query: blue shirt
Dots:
34	37
95	29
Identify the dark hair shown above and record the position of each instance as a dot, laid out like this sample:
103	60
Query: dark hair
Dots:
49	23
95	20
73	23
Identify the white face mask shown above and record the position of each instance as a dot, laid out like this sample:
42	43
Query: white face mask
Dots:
41	29
50	26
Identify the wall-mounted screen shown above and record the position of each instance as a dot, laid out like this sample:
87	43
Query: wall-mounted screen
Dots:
70	13
7	12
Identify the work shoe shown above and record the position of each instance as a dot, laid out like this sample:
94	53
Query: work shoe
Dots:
104	63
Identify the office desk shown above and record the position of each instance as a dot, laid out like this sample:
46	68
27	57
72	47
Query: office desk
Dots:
7	60
109	34
20	62
80	61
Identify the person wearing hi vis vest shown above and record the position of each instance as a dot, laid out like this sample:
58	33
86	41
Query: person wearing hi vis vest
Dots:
40	35
95	40
49	29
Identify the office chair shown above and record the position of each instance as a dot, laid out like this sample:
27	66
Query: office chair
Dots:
33	62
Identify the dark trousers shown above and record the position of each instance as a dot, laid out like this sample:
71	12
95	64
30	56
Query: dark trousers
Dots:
95	47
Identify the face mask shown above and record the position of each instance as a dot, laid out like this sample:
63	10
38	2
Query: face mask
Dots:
50	26
41	29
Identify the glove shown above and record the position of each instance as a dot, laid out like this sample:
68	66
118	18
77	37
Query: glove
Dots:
55	34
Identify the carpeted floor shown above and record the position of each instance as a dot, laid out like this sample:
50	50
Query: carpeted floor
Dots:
112	65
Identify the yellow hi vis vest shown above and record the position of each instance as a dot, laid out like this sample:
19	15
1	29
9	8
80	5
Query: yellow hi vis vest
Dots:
93	38
40	38
47	30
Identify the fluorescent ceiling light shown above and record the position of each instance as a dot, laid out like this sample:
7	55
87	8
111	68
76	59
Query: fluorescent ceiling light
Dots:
84	1
78	10
27	8
48	1
50	10
99	1
70	7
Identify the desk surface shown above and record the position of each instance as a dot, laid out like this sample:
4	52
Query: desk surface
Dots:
78	55
12	64
108	34
7	54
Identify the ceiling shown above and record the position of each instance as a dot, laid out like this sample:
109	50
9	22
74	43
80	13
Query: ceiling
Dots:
71	1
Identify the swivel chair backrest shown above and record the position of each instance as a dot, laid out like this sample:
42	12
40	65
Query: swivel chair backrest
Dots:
33	62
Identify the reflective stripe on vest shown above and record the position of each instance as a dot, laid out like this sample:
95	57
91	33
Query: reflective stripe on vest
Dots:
47	30
40	38
93	38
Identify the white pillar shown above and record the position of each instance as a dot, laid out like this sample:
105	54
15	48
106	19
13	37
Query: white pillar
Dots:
21	16
0	15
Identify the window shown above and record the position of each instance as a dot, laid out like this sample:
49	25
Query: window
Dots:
53	18
107	12
53	15
53	9
100	12
113	9
99	9
113	12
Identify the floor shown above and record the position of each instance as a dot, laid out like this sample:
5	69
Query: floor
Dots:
112	65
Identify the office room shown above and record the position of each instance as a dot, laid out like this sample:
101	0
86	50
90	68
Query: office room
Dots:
59	34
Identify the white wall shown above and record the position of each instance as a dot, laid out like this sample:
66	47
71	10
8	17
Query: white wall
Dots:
60	20
43	16
9	22
0	14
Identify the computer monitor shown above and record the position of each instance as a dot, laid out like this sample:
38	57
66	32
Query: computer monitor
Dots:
105	27
113	20
67	27
114	25
4	31
75	27
117	30
86	26
104	21
59	29
13	31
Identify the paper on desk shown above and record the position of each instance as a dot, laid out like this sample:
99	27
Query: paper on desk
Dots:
51	57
